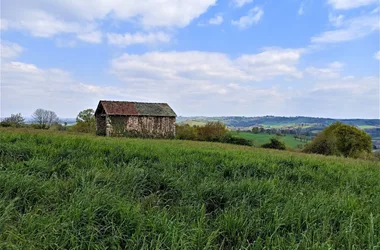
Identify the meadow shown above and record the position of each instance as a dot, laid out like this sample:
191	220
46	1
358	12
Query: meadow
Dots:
60	190
262	138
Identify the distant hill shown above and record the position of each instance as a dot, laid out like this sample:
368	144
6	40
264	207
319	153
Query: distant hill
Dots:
280	121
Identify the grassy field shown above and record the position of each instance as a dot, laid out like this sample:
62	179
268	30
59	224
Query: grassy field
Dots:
193	123
366	126
69	191
262	138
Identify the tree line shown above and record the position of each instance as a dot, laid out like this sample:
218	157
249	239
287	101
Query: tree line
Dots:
47	119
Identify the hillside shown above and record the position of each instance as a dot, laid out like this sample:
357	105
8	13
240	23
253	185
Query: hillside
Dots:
280	121
262	138
64	190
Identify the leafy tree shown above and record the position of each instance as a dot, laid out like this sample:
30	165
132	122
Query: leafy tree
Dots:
44	119
255	130
212	131
15	120
275	144
86	122
186	132
342	140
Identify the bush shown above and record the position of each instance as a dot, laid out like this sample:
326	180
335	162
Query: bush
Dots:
186	132
85	122
16	121
57	127
341	140
212	131
236	140
275	144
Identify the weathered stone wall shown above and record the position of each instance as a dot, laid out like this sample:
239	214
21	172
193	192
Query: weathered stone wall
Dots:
144	126
101	125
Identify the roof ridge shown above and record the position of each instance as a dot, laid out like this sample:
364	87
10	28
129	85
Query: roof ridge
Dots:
135	102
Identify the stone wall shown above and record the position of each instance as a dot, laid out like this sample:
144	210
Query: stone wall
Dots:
142	126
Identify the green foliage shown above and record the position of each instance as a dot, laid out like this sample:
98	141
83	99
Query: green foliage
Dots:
212	131
86	122
186	132
228	138
341	140
263	138
77	191
15	120
275	144
255	130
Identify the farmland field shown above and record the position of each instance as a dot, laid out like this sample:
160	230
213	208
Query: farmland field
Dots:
61	190
262	138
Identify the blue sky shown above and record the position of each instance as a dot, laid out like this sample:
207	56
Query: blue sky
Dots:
203	57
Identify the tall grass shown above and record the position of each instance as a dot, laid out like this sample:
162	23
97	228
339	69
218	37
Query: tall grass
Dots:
69	191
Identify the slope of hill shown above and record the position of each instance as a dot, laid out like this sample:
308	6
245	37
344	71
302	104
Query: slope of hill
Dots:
262	138
281	121
64	191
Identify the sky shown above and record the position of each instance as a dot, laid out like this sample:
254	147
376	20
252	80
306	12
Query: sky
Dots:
315	58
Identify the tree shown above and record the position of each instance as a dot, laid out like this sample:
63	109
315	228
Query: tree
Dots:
275	144
86	122
342	140
15	120
255	130
212	131
44	118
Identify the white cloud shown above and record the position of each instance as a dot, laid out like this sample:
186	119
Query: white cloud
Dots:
9	50
350	29
41	24
351	85
211	84
350	4
344	97
91	37
138	38
241	3
377	55
253	17
216	20
26	87
46	18
333	70
3	24
301	9
207	66
336	20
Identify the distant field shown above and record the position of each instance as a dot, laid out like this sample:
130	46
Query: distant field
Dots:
60	190
366	126
262	138
193	123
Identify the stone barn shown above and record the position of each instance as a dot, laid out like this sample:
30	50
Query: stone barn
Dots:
115	118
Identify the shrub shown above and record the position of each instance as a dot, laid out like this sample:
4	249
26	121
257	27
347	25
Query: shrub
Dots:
86	122
275	144
186	132
212	131
341	140
16	121
236	140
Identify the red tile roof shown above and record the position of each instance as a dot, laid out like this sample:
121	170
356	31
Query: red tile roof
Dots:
135	108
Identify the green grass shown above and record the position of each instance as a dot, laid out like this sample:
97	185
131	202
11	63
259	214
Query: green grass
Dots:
366	126
69	191
262	138
193	123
